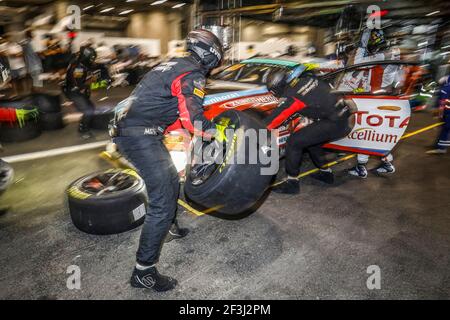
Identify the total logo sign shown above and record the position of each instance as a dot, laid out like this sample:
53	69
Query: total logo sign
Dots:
379	125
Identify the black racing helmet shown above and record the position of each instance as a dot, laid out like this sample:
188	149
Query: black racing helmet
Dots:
376	41
87	55
206	46
279	80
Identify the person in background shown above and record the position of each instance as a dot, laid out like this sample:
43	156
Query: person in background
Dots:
443	142
373	48
77	87
105	54
14	54
32	61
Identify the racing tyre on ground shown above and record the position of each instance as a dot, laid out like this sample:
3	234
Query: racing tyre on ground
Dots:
16	133
232	184
108	202
101	118
51	121
47	103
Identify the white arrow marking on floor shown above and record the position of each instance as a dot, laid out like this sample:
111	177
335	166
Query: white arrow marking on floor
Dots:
55	152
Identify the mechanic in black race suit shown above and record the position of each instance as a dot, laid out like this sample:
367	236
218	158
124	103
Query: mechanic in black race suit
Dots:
77	87
170	94
312	98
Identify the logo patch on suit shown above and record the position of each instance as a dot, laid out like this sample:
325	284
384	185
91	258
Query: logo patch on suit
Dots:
199	93
78	72
165	66
200	83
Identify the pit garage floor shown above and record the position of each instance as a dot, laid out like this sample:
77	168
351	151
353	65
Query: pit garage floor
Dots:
317	245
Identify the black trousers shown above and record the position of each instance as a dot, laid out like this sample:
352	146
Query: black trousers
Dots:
154	164
311	139
85	106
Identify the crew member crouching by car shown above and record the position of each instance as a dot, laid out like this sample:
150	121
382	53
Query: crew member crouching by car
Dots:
311	98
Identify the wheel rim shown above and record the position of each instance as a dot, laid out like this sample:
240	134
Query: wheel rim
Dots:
108	182
202	171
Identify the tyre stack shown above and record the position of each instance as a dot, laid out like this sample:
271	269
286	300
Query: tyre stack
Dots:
19	120
50	114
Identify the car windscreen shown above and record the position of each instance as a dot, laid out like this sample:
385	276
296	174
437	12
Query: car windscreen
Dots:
249	73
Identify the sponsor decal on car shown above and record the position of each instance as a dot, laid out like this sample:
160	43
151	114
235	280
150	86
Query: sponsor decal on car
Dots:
378	128
256	101
220	97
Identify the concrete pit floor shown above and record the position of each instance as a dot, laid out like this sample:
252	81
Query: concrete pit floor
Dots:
316	245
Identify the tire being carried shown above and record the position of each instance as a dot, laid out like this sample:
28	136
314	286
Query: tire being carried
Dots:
107	202
230	187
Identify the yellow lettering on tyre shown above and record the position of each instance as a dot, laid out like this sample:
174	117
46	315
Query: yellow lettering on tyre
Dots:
76	193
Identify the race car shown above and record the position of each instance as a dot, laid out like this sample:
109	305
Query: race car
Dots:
238	96
228	178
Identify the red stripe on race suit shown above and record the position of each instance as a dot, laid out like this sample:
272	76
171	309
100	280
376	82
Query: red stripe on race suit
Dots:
295	107
176	91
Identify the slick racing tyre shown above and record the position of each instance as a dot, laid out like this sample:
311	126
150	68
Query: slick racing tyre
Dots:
16	133
51	121
101	119
233	182
107	202
6	176
47	103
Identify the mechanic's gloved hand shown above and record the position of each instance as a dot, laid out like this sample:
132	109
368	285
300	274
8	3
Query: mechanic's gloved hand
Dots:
220	134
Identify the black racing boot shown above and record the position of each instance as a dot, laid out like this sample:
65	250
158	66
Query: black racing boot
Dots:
325	176
290	186
176	232
151	279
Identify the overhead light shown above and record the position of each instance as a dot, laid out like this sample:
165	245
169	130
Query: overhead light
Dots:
432	13
178	5
88	7
158	2
126	11
131	0
107	10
